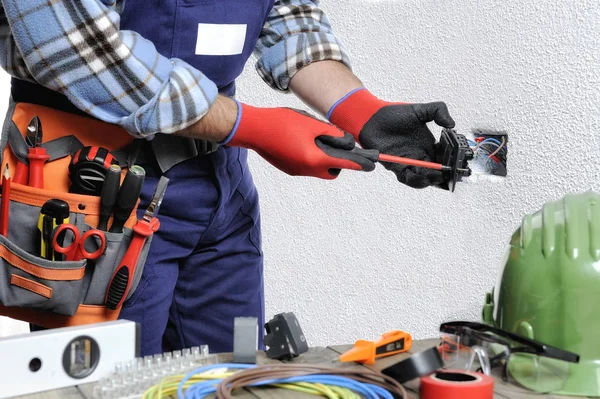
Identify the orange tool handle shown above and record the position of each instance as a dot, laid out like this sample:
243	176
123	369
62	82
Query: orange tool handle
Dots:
22	174
37	158
123	276
390	343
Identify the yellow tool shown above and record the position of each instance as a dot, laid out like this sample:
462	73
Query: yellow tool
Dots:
390	343
53	213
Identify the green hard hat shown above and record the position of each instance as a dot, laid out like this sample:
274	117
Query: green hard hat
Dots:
549	286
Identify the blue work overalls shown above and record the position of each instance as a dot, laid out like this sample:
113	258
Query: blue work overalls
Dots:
205	265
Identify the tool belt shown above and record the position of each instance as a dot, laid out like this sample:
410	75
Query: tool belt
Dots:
57	293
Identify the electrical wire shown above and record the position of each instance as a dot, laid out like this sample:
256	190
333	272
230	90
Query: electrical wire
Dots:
369	383
168	385
318	387
349	385
333	383
499	148
204	369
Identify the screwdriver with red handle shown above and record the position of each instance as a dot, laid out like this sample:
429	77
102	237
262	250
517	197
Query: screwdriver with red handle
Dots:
122	278
375	156
452	153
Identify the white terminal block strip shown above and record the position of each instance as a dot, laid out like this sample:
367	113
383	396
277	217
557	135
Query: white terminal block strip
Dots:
57	358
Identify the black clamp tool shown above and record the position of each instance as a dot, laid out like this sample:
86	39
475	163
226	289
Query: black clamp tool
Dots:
284	339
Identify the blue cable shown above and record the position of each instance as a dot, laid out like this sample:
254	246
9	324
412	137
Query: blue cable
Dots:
208	387
492	140
368	391
207	368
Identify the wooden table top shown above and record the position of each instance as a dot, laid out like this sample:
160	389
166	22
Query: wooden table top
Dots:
316	355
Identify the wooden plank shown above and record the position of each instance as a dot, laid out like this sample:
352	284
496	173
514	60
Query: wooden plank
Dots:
323	356
64	393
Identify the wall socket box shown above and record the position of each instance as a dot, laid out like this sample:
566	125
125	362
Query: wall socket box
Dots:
490	152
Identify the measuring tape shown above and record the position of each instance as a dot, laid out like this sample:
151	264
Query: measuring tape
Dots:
88	168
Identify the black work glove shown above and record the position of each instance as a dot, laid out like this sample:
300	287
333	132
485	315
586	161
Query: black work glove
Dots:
396	129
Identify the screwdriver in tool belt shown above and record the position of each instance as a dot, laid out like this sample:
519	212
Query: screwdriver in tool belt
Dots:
121	280
53	213
108	198
128	196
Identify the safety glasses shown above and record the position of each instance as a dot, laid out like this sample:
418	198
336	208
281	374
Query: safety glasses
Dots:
480	347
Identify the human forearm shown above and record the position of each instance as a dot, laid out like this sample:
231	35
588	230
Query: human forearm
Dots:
217	124
116	76
321	84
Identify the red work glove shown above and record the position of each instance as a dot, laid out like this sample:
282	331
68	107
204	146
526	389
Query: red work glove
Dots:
295	142
396	129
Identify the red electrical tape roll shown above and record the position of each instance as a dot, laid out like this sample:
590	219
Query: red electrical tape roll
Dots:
457	384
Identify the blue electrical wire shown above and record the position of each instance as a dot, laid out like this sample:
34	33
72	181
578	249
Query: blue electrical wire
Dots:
207	368
205	388
492	140
368	391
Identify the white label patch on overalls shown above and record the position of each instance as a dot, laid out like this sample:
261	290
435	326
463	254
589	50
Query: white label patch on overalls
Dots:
220	39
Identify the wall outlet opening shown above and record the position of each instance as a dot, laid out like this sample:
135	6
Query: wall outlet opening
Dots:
490	148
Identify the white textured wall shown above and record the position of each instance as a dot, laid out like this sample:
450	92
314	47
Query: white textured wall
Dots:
364	254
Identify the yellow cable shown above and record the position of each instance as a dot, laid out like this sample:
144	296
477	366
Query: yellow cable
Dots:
169	384
168	387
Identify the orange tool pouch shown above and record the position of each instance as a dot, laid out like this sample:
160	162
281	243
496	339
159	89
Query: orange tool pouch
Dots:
58	293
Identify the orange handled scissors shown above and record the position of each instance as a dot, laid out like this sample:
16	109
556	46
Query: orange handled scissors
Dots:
76	251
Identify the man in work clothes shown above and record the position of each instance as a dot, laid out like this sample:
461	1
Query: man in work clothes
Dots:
165	70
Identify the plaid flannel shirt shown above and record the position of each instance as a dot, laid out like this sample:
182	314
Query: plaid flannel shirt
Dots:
75	47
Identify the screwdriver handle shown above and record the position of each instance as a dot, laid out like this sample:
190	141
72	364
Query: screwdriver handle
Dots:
21	174
128	196
371	155
37	158
108	198
121	280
